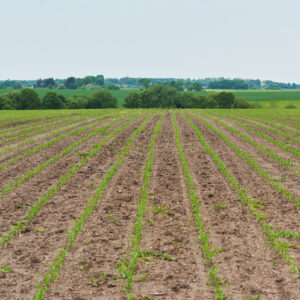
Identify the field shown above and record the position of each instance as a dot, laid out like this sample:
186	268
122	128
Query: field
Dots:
150	204
266	98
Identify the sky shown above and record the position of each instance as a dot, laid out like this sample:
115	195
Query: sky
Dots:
157	38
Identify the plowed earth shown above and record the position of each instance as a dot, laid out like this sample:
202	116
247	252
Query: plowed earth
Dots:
248	264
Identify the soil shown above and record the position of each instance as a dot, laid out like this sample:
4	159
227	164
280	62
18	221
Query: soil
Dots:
90	271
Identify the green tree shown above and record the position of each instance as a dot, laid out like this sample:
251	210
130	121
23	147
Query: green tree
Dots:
196	86
102	99
159	96
225	100
17	86
177	84
99	80
144	82
77	102
241	103
134	100
29	99
52	101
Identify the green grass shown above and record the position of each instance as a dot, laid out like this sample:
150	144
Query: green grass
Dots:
262	95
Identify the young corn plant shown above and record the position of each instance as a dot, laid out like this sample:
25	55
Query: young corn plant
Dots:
206	247
253	164
33	172
57	264
280	247
55	140
284	162
130	267
35	209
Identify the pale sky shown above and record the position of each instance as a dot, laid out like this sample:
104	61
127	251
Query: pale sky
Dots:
158	38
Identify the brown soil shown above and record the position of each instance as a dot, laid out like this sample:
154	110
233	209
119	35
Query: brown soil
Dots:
285	177
15	204
55	218
271	134
244	262
168	229
107	232
43	138
247	266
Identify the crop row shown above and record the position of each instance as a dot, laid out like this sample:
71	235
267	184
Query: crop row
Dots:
53	141
34	210
33	172
287	163
32	139
269	129
276	142
128	269
40	129
273	124
206	247
37	125
282	248
61	255
253	164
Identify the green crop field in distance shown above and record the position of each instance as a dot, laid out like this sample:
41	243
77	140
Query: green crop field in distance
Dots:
263	97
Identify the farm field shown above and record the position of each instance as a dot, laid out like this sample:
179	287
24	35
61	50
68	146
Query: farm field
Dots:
265	98
150	204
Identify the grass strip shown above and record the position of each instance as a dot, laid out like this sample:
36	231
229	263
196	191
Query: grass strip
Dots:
59	260
206	247
279	246
253	164
34	210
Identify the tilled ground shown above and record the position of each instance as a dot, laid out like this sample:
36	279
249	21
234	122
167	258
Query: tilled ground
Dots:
249	267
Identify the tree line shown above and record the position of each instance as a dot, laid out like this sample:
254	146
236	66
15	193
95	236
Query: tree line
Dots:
156	96
29	99
98	81
163	96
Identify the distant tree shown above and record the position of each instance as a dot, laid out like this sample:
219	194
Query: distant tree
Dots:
99	80
196	86
9	101
102	99
241	103
177	84
133	101
17	86
225	100
29	99
188	84
70	83
52	101
211	102
77	102
111	86
229	84
159	96
144	82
